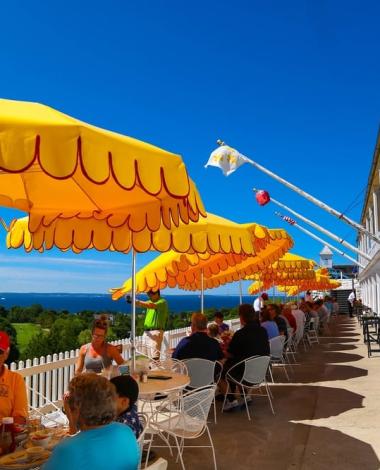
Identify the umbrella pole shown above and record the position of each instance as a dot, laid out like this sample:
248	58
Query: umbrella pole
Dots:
202	292
133	319
240	292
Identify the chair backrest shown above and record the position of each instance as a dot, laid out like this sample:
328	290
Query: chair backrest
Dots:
202	372
175	365
144	420
255	369
276	345
197	403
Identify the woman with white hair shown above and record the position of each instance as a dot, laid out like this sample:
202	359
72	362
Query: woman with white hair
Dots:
91	406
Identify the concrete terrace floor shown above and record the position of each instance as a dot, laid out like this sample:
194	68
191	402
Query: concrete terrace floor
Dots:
327	416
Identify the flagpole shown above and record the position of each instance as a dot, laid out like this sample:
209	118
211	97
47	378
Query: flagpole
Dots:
309	197
342	253
321	229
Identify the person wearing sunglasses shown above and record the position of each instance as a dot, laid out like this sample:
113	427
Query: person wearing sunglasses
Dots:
98	354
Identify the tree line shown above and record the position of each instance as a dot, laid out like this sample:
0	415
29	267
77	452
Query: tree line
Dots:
63	331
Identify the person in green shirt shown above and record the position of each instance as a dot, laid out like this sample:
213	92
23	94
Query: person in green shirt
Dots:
156	316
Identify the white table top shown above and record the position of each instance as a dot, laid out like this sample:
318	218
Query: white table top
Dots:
176	382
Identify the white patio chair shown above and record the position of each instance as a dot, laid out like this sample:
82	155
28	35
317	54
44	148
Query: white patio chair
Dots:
253	378
289	353
312	334
277	354
186	420
144	420
203	372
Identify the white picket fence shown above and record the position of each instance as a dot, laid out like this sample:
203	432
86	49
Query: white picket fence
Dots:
47	378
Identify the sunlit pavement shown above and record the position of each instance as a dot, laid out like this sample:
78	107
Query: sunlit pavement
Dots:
327	416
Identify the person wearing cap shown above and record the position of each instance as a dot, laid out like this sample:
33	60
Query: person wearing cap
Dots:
259	303
156	316
13	400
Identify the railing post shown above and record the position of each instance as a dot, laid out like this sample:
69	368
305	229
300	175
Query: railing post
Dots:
60	378
48	380
54	378
35	385
41	384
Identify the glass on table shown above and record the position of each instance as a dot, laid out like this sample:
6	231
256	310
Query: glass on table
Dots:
34	422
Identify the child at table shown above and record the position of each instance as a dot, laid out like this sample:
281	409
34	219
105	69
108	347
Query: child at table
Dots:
127	391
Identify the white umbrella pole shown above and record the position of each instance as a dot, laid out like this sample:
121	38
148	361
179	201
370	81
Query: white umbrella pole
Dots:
240	293
133	319
202	292
342	253
321	229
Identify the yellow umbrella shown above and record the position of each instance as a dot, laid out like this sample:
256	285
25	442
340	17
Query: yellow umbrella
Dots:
211	234
52	165
194	271
58	168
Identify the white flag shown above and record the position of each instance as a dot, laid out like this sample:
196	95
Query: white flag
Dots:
227	159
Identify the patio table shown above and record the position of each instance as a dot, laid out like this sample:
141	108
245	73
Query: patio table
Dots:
153	386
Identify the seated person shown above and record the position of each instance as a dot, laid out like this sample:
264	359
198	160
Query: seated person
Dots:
269	324
127	391
13	400
98	354
101	443
250	340
274	312
198	344
218	318
213	331
287	313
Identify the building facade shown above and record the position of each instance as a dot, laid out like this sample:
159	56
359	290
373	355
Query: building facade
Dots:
369	276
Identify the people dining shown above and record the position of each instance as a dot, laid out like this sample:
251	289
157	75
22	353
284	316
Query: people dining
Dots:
267	322
275	315
198	344
91	407
13	399
127	391
219	320
98	354
250	340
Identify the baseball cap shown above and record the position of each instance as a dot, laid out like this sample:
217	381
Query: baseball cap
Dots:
264	296
4	341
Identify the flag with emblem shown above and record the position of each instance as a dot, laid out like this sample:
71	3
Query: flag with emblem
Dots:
227	159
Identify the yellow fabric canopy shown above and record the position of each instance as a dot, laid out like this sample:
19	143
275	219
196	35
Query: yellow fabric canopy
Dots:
315	280
52	165
285	267
211	234
173	269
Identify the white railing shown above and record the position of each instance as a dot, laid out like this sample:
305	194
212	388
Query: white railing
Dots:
47	378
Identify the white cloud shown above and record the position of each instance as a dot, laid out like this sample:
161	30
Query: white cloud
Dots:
57	260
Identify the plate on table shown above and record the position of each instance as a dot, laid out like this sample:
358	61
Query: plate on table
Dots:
21	460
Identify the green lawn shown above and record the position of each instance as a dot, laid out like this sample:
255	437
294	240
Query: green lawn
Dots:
24	332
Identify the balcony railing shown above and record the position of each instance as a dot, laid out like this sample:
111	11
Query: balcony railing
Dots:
47	378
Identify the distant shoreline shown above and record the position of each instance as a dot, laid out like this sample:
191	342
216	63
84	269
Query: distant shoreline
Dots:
102	302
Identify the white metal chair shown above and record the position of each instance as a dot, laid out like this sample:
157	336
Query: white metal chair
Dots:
312	334
186	420
253	378
277	354
203	372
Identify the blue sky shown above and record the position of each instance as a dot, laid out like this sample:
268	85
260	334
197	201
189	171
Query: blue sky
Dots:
293	85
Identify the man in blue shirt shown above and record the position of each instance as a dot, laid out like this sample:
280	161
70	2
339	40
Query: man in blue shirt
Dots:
198	344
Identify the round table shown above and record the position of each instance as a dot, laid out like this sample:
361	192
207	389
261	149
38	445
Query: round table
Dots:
152	386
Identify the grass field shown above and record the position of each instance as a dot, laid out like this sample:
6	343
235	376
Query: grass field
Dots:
24	332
